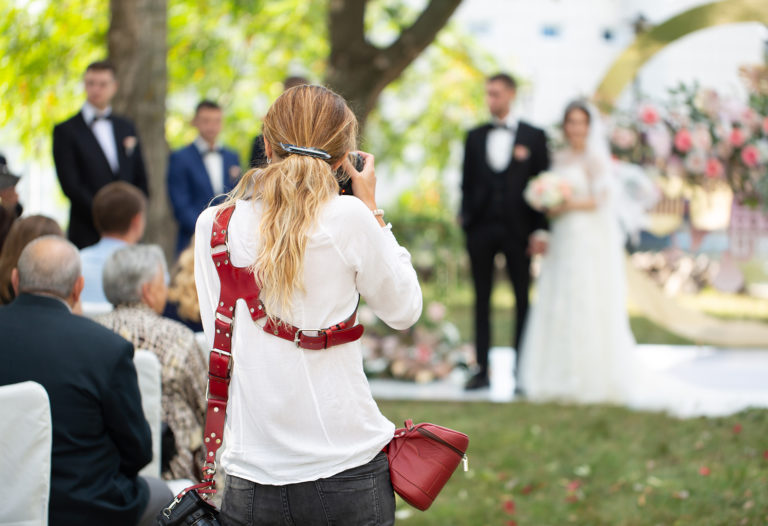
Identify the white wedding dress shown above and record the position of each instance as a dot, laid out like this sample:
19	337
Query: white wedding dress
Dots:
577	344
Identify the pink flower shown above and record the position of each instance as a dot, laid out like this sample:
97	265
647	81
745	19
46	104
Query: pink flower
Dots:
683	140
749	118
701	138
649	114
737	429
714	168
660	141
696	162
509	506
436	311
704	471
751	156
737	137
624	138
707	101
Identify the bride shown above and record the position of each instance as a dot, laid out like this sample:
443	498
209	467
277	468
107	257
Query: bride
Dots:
577	340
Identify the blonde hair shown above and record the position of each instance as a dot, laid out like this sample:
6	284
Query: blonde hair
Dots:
293	187
183	291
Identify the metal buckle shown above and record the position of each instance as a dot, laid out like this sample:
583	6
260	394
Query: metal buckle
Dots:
219	249
222	317
223	353
297	337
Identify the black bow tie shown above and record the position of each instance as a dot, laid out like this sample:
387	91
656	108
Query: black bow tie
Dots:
97	118
502	126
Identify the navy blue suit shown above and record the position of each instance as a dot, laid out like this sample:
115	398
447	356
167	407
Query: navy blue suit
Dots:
189	186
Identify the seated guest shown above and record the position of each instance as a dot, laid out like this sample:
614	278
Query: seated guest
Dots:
21	233
182	295
134	282
200	171
10	208
119	214
100	436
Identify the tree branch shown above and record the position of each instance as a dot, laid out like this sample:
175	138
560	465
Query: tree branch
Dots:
346	26
414	39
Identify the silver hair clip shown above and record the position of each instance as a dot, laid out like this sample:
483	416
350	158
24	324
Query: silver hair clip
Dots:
309	152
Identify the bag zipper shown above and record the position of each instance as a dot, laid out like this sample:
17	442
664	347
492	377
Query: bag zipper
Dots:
430	434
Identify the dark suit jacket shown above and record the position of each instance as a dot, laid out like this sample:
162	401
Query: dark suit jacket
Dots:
83	169
100	436
491	197
189	187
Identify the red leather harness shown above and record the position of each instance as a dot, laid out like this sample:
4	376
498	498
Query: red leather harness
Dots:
240	283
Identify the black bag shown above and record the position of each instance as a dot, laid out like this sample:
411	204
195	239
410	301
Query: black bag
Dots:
190	509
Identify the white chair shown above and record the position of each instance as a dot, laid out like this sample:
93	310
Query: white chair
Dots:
25	462
202	344
150	385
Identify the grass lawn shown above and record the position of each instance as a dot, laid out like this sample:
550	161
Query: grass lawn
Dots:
594	465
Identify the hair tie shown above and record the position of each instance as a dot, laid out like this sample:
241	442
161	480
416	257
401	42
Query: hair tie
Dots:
309	152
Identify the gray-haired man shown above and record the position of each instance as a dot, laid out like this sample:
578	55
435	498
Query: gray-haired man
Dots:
100	436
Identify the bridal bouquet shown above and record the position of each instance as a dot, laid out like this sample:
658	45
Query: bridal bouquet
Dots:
546	191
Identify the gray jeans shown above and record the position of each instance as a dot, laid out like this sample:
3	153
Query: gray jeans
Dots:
360	496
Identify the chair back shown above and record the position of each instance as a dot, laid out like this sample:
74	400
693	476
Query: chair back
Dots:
25	462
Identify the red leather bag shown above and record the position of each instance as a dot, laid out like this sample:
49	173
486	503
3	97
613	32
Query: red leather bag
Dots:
422	458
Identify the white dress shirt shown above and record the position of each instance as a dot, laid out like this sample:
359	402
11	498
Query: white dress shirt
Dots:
500	143
104	132
296	415
214	164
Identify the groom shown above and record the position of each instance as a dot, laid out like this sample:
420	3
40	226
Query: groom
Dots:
499	160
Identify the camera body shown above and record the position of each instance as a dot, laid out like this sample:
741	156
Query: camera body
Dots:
343	178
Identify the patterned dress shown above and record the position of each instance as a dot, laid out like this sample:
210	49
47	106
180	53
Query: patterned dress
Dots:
184	376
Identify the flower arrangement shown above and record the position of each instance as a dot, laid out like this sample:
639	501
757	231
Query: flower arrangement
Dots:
701	137
547	191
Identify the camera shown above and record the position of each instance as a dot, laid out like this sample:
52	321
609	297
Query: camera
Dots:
343	178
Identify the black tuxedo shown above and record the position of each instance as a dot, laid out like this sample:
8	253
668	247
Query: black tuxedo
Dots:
83	169
497	219
258	155
100	436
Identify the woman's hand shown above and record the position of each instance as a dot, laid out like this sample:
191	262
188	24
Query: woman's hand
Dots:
364	182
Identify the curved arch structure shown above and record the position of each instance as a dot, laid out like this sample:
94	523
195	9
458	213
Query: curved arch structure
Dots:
626	67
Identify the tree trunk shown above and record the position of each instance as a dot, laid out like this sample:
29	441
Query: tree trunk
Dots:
360	71
137	41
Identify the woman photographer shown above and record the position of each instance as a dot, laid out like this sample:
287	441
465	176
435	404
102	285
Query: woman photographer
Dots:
304	436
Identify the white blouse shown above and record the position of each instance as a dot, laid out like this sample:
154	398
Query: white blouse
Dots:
297	415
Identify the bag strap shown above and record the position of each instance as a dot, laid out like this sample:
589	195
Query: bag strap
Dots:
240	283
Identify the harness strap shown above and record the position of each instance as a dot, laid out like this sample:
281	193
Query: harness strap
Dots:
240	283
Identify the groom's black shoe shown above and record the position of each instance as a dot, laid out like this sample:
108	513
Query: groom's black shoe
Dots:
479	381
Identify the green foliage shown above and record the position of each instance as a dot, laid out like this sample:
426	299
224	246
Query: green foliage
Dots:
45	48
549	464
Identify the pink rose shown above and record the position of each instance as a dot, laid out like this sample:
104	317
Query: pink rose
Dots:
649	114
701	138
683	141
737	138
751	156
714	168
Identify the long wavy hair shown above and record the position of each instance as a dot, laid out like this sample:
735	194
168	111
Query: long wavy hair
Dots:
293	187
22	232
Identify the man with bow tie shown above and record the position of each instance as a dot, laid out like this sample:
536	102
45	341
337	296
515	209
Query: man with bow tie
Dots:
201	172
500	158
94	148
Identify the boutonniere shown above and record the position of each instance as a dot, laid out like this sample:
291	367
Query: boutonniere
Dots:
234	172
129	143
521	152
